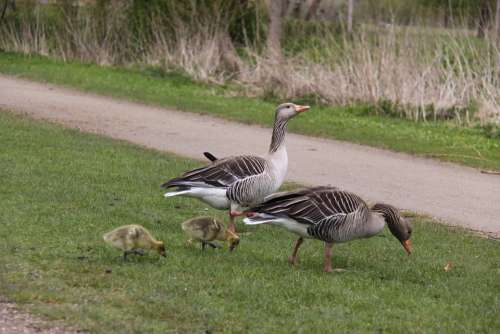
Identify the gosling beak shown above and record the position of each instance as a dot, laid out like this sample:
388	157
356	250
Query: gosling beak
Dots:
407	246
301	108
233	246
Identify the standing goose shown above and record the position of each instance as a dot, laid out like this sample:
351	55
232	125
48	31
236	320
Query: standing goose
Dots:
330	215
240	181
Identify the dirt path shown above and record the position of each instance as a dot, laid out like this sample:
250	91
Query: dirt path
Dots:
459	195
13	321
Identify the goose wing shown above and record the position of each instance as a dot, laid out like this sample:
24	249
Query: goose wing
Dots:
221	173
312	206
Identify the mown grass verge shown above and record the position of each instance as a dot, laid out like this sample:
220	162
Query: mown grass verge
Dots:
61	189
441	140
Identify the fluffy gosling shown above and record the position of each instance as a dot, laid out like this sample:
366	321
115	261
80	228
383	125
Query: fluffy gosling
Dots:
206	229
133	239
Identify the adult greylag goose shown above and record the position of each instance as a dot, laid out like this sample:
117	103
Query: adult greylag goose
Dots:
330	215
241	181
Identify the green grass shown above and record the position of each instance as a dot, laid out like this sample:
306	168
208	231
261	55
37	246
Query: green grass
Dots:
469	146
61	189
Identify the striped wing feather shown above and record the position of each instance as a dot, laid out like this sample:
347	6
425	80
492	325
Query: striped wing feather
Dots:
312	206
221	173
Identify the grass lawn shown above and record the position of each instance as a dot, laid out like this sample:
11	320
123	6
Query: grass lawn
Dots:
469	146
61	189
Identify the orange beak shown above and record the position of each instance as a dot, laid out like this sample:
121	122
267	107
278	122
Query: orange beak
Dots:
301	108
407	246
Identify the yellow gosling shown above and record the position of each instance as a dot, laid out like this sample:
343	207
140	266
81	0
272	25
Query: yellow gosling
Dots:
207	229
133	239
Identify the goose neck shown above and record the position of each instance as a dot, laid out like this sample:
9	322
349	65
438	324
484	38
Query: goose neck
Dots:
278	137
375	223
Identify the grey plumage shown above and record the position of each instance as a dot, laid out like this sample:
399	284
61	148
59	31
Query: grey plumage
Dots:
237	175
329	214
239	181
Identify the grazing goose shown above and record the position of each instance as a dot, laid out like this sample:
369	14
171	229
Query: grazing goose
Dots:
207	229
133	239
240	181
330	215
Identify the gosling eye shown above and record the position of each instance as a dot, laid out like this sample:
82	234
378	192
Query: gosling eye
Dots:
287	107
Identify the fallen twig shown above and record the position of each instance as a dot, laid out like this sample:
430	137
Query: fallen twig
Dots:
490	172
436	155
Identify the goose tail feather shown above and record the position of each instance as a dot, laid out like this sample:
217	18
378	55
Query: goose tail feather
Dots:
176	193
210	156
259	218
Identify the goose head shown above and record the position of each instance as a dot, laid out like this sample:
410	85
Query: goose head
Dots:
161	249
232	239
286	111
398	226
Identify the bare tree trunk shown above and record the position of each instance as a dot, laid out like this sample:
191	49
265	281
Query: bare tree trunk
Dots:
276	11
446	18
313	9
350	10
229	55
497	21
450	14
293	8
4	10
484	19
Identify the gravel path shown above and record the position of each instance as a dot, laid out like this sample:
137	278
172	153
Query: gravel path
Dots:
458	195
13	321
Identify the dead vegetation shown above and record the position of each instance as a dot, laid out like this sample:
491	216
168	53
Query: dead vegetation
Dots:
414	72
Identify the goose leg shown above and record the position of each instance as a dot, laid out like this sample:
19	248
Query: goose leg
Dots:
294	258
125	254
231	227
203	245
139	251
211	244
328	257
233	213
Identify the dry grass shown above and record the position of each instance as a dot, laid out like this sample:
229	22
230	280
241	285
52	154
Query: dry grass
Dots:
422	77
417	73
199	54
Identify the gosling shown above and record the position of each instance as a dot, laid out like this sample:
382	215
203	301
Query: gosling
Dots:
133	239
206	229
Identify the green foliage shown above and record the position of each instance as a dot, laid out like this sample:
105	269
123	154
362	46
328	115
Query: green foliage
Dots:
459	116
310	37
61	189
491	131
127	29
